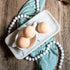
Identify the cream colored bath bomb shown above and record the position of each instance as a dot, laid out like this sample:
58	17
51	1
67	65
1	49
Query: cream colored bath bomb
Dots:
23	42
29	32
43	27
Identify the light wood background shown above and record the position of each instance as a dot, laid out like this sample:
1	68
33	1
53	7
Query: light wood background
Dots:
10	8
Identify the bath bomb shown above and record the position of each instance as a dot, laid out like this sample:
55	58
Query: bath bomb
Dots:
23	42
29	32
43	27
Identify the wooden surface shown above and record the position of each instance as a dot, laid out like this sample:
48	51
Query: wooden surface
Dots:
66	1
10	8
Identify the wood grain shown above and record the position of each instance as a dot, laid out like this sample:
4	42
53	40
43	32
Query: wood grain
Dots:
65	1
10	8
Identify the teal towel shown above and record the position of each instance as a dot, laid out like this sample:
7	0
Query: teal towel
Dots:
29	9
48	61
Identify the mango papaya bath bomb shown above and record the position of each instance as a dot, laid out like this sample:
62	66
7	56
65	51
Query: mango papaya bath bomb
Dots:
43	27
23	42
29	32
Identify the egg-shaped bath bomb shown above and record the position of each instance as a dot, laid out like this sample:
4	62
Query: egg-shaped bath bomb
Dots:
29	32
43	27
23	42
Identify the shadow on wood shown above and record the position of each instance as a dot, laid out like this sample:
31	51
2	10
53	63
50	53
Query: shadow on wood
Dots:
4	46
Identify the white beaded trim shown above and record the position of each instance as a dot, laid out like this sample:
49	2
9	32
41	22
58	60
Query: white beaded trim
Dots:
16	18
21	16
46	51
37	5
